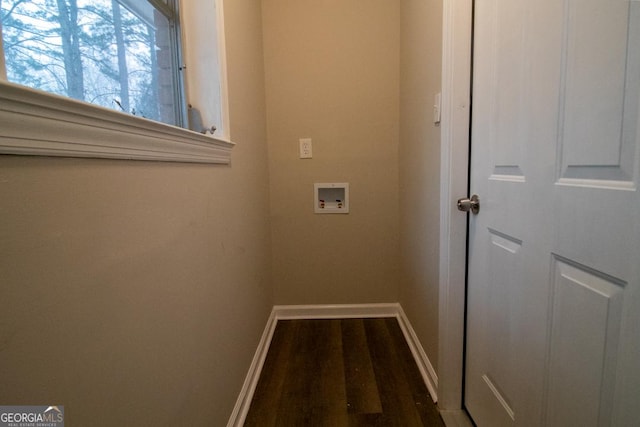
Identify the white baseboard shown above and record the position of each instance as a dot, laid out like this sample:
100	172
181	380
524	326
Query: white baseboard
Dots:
338	311
429	375
243	403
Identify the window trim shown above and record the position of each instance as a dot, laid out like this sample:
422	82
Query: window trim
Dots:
222	60
38	123
196	70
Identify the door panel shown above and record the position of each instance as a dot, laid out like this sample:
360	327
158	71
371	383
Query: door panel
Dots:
597	69
508	103
553	317
585	332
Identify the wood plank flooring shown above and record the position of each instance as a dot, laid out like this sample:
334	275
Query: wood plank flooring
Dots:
343	372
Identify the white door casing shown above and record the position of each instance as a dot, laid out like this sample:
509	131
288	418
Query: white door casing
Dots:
454	162
553	330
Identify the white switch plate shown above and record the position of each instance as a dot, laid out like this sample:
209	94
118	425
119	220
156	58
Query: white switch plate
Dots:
306	151
437	102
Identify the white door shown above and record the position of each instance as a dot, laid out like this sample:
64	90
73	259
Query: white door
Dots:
553	311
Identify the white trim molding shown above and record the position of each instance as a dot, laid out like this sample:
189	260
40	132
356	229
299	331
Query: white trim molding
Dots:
429	375
37	123
243	403
454	163
222	58
333	311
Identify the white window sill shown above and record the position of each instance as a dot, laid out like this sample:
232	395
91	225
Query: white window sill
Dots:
41	124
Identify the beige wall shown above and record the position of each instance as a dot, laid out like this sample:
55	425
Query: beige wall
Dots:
135	293
332	74
421	42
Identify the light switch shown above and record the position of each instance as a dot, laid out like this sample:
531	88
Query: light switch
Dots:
437	102
306	151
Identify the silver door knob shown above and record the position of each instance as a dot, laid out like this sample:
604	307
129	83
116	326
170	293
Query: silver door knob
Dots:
472	204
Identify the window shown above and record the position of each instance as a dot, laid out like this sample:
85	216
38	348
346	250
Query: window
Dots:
120	54
123	55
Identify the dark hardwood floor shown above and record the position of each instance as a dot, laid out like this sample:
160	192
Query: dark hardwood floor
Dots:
345	372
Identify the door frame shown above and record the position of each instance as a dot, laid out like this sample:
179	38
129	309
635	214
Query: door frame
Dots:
457	31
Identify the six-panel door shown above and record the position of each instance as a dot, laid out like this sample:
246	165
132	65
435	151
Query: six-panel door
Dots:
553	331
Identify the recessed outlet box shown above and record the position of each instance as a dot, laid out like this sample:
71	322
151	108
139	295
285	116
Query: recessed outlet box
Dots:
331	198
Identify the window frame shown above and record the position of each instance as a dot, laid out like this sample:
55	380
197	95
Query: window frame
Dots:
38	123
